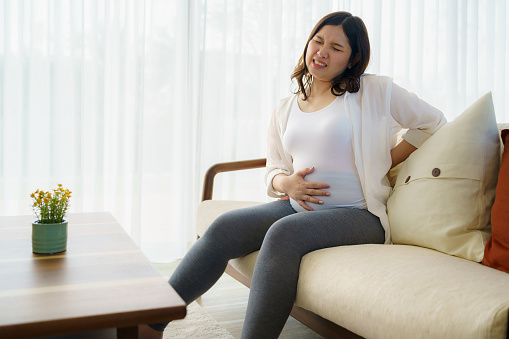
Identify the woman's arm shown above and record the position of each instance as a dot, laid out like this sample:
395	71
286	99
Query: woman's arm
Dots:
401	152
421	118
278	160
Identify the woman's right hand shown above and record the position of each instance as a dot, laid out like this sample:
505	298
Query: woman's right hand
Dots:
300	190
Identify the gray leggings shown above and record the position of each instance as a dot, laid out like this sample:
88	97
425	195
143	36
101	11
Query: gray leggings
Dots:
283	238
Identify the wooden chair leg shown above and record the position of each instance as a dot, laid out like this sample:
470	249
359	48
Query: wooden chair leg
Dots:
127	332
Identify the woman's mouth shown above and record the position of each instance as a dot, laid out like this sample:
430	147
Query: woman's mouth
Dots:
319	64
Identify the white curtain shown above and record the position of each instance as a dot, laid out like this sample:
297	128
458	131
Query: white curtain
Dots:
128	102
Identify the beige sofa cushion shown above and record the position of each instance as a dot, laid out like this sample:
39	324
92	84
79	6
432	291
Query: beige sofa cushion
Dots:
444	191
400	291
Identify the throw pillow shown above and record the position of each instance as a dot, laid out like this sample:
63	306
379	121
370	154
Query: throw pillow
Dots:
444	191
496	253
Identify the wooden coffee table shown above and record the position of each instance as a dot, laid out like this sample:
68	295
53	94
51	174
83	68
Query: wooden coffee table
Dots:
102	281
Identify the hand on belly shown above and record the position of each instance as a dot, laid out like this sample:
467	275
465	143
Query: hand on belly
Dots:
344	191
301	190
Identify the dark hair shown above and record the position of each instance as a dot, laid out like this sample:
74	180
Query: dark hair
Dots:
357	35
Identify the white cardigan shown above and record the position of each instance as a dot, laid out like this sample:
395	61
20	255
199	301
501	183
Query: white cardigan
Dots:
375	125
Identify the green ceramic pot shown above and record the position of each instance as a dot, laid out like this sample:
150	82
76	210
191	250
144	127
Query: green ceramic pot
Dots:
49	238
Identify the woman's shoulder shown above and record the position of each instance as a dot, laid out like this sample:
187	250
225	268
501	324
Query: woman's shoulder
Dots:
282	110
367	79
286	103
374	85
288	100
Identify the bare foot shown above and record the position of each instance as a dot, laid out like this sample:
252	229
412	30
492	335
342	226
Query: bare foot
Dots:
147	332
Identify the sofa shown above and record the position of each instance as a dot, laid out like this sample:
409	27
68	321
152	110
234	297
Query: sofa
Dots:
414	288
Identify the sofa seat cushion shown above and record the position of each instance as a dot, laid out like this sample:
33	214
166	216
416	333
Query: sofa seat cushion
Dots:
401	291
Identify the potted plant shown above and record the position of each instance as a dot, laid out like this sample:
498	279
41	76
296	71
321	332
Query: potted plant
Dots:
49	231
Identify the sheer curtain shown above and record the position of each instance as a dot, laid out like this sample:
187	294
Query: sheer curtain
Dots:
94	96
127	103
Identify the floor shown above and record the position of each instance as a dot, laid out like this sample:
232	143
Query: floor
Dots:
226	301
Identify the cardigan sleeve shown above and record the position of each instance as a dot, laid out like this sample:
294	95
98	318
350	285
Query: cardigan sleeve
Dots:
421	118
278	160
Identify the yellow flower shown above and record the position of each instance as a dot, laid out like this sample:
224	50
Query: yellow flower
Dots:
51	206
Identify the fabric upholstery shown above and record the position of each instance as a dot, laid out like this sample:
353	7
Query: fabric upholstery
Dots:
496	253
376	291
444	191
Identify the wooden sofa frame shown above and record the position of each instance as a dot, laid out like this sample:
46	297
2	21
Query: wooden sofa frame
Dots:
322	326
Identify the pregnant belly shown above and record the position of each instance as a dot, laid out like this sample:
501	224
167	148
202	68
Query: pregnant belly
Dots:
345	191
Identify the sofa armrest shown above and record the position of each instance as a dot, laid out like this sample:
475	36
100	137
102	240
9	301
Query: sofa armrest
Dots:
208	185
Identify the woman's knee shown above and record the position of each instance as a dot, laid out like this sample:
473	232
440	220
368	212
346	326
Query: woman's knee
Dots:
222	226
237	231
282	235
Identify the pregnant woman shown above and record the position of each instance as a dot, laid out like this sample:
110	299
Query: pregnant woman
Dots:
330	147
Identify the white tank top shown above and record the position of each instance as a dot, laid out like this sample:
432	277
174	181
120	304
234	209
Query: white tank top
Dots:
323	140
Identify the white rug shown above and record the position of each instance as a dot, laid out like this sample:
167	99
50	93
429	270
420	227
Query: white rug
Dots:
197	324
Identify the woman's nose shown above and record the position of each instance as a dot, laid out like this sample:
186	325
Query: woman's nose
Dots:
322	52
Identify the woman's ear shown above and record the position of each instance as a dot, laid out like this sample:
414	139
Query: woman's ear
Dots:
354	60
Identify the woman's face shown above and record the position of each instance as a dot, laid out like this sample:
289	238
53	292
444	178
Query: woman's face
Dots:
328	53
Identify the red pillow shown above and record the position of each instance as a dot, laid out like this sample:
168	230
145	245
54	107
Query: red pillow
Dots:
496	252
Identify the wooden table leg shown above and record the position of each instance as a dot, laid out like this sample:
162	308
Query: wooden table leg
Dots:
127	332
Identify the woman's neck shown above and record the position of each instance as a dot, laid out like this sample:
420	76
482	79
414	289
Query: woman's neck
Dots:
319	89
318	96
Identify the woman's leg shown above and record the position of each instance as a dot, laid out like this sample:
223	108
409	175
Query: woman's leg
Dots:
274	283
234	234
